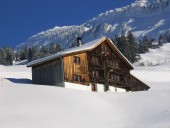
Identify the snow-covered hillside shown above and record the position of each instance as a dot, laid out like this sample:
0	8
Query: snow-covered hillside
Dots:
143	17
155	57
156	64
24	105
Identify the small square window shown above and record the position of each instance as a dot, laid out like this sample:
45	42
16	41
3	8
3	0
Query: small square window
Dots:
116	64
95	60
96	74
77	78
112	76
76	59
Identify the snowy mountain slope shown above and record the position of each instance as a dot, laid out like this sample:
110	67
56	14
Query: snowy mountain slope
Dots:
143	17
160	57
156	64
24	105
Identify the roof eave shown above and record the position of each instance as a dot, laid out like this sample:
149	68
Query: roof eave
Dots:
38	62
122	56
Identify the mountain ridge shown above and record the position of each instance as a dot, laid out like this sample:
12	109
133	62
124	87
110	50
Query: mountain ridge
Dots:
143	17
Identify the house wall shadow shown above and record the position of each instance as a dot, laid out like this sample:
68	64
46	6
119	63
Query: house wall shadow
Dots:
20	80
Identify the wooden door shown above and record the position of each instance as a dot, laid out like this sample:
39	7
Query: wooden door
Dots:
93	87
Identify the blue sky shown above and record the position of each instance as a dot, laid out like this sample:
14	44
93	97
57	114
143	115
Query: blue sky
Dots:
20	19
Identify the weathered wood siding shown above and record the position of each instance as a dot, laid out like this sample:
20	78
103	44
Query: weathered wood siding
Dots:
107	68
105	61
137	85
71	68
50	73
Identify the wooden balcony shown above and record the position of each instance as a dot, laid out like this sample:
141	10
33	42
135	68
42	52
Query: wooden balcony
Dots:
112	68
95	64
98	80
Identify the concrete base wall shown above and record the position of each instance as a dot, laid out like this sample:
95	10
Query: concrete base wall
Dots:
115	89
98	87
77	86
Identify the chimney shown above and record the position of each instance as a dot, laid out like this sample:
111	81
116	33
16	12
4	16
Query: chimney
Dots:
79	41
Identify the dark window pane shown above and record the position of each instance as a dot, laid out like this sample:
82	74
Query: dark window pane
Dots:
77	59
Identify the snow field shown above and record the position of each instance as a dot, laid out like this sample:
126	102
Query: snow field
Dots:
27	105
24	105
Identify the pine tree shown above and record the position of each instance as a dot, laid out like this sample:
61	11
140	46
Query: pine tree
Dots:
115	40
58	48
17	56
35	52
6	56
160	40
122	44
143	45
30	54
22	55
2	56
125	47
54	48
133	48
9	56
44	51
151	43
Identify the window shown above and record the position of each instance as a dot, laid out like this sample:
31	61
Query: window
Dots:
107	62
118	79
95	60
128	80
108	51
77	78
112	76
115	77
76	59
104	48
120	64
96	74
111	62
116	64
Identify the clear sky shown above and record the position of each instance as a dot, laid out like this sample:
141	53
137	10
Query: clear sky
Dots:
20	19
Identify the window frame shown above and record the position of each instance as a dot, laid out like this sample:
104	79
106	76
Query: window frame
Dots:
77	78
95	74
95	60
76	59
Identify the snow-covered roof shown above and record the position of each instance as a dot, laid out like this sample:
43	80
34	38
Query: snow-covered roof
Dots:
85	47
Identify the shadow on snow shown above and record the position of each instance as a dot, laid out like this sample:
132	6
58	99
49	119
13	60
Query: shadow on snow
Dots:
20	80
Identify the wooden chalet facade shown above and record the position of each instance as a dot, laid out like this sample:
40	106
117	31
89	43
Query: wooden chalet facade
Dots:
94	64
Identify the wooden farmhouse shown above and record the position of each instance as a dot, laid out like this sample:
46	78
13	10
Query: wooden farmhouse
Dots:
94	66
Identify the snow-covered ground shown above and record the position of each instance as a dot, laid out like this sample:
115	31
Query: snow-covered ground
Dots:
24	105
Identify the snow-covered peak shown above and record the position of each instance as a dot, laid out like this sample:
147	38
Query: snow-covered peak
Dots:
143	17
140	3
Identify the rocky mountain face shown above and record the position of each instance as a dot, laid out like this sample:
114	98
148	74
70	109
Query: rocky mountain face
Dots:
143	17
